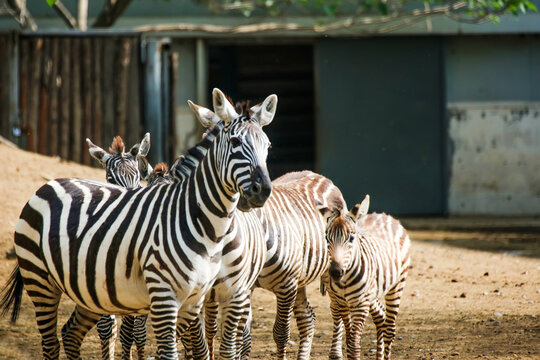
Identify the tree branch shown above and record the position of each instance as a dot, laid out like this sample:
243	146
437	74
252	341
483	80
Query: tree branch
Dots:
82	14
21	14
64	13
111	11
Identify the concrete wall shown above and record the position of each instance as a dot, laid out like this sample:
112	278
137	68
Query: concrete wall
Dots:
493	124
495	166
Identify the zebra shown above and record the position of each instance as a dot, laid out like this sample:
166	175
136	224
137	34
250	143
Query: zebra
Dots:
369	260
237	275
134	251
121	168
126	170
296	251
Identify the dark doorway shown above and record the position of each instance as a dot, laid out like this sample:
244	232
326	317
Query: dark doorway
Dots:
252	72
381	121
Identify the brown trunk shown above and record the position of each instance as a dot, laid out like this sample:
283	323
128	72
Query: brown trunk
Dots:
65	98
54	90
87	96
44	97
122	67
76	101
36	54
96	90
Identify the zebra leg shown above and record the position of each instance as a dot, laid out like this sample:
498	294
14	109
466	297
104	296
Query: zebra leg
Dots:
392	300
198	343
282	326
190	331
305	321
164	315
46	306
106	328
336	351
139	334
211	309
232	312
126	336
245	345
184	336
358	319
377	314
75	329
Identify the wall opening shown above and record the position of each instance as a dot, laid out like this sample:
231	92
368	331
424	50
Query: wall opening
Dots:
252	72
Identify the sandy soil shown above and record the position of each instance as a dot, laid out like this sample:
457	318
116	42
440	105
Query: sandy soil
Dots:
473	291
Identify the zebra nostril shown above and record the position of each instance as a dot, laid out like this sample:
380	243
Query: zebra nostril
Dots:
256	188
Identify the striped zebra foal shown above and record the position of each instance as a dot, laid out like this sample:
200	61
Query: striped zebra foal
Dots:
132	251
296	254
126	170
369	260
121	168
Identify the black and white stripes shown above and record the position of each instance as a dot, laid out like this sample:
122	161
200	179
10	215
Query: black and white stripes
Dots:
369	260
123	251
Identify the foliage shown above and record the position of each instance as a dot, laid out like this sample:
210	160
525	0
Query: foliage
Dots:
460	10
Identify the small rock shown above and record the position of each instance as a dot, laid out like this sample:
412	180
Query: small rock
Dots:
462	295
11	254
292	343
486	274
453	280
531	302
260	308
400	337
454	354
373	351
497	314
415	293
485	293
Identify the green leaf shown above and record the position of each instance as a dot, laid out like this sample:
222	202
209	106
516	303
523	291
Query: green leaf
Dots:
531	6
383	8
51	2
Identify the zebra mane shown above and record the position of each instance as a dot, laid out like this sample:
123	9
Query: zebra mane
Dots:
117	146
185	164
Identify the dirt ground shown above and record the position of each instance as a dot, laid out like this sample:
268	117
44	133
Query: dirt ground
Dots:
473	290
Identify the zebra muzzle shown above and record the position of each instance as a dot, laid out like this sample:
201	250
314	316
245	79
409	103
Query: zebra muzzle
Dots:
335	270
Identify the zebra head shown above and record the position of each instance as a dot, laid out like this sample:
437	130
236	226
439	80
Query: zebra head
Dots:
341	236
123	168
241	149
258	114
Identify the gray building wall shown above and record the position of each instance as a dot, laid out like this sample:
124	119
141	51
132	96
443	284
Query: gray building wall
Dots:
493	97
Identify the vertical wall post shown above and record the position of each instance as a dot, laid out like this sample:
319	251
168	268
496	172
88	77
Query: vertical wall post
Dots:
14	132
152	98
202	72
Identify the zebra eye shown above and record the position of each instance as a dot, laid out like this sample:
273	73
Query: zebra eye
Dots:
235	141
351	238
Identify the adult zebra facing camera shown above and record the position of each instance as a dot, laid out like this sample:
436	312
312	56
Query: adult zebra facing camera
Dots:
134	251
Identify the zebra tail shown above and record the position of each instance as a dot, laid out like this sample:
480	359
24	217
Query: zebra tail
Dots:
12	294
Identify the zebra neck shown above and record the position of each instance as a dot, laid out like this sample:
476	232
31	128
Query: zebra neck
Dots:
211	204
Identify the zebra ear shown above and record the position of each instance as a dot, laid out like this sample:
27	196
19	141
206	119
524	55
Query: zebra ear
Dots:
266	111
144	148
360	210
207	117
97	153
145	169
325	212
222	107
